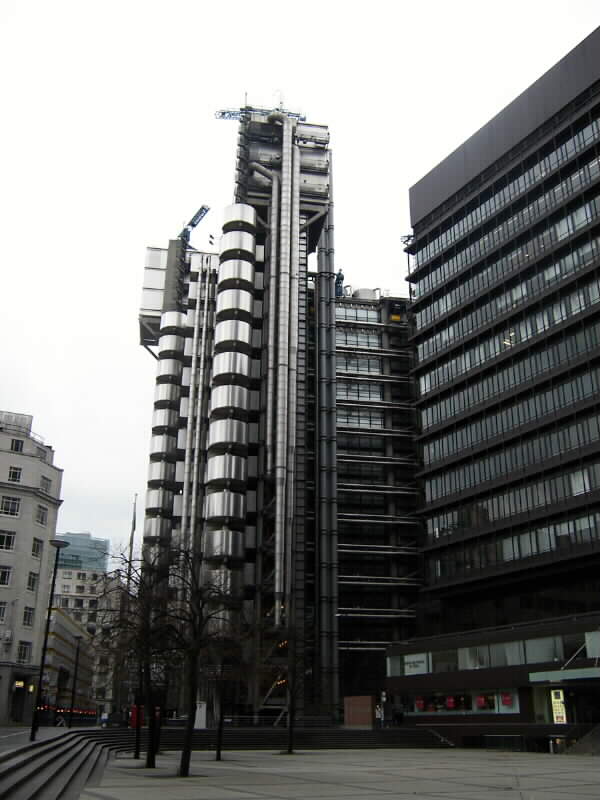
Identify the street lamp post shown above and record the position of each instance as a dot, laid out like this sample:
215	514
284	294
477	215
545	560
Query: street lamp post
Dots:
58	544
74	680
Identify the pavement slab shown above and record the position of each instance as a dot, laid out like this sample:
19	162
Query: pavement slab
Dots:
348	774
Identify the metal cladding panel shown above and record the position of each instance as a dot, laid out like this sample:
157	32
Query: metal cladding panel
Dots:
236	273
167	393
162	445
157	527
234	303
224	505
227	433
240	212
168	368
555	89
223	544
237	244
226	364
172	322
164	418
161	471
233	334
169	342
229	398
226	581
159	499
225	469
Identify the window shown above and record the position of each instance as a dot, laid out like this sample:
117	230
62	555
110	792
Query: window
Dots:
94	576
14	474
78	603
93	603
28	613
5	576
67	575
80	589
91	589
3	611
92	617
64	602
7	540
16	445
42	454
24	652
37	548
66	588
32	581
41	515
10	506
45	484
81	576
77	615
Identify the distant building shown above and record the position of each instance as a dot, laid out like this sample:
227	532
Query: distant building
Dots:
30	487
81	570
69	664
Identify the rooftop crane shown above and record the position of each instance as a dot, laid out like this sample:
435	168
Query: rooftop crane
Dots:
198	216
239	113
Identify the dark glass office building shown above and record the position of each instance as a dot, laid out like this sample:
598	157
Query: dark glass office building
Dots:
506	296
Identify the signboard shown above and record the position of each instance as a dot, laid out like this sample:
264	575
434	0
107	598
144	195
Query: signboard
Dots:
559	712
416	664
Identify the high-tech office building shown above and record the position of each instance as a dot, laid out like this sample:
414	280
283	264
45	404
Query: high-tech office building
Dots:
306	517
506	296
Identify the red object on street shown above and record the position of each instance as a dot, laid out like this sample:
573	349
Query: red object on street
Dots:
419	703
450	702
135	710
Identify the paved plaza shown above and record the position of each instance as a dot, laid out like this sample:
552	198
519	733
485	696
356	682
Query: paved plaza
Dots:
360	774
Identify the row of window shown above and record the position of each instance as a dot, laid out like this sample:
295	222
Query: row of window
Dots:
360	417
522	255
11	507
28	614
359	391
534	450
467	557
365	364
355	337
6	577
16	446
15	474
576	144
78	602
519	371
517	331
360	445
79	589
519	500
517	295
356	313
81	576
541	650
506	231
7	542
509	418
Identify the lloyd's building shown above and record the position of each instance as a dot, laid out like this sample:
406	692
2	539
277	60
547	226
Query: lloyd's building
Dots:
283	430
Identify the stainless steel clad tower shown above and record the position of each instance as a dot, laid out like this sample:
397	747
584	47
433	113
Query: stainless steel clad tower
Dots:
241	420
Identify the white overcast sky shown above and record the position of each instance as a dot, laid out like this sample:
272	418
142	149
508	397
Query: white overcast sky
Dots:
108	144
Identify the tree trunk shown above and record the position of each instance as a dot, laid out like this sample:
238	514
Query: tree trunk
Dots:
220	726
191	663
151	749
